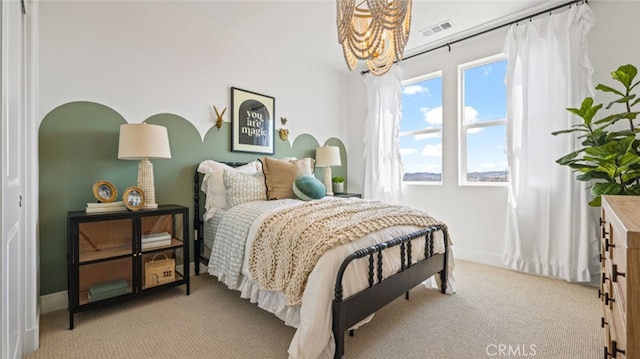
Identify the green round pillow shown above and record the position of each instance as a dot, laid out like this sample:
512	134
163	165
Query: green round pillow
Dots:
308	188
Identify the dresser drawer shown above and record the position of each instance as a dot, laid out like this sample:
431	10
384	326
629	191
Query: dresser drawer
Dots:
618	334
616	278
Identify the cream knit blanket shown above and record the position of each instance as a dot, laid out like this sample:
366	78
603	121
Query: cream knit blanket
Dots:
290	241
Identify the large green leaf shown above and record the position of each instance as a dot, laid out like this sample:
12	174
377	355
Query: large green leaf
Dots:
591	175
625	74
617	135
601	188
566	158
601	151
611	119
628	159
605	88
569	131
581	167
624	99
622	77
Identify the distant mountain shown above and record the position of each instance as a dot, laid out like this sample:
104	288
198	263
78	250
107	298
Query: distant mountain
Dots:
490	176
422	177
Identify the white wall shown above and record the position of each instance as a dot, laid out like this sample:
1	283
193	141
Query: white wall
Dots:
143	58
147	57
477	215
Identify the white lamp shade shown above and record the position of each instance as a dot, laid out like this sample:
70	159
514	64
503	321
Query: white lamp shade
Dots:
328	156
143	141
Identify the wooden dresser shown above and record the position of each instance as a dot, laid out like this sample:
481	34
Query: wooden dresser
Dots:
620	283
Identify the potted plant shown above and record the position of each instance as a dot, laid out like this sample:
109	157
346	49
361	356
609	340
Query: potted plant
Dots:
338	184
610	147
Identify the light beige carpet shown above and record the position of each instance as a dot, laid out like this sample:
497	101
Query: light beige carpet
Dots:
495	313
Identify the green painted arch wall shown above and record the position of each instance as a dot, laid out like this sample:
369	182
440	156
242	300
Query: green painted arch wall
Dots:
78	145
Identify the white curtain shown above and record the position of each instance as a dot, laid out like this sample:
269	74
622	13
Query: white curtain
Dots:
551	230
383	164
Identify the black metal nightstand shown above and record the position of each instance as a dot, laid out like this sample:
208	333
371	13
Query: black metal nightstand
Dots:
346	195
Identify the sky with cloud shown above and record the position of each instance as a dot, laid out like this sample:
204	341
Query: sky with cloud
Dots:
484	100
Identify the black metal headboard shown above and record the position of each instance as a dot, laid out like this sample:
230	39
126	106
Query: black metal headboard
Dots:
198	223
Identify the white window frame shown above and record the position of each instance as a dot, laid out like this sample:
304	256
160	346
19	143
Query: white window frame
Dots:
463	128
411	81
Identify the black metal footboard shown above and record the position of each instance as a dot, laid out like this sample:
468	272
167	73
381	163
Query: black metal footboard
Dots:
381	291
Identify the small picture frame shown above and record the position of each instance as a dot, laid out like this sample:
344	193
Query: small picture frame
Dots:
104	191
133	198
252	122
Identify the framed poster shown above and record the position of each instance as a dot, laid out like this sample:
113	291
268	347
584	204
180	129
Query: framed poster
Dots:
252	122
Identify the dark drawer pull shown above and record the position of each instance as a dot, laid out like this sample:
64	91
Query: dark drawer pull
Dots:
604	233
608	299
602	221
602	322
614	350
600	294
609	244
604	278
615	273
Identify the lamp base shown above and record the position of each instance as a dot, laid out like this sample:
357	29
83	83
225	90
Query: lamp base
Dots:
146	184
327	181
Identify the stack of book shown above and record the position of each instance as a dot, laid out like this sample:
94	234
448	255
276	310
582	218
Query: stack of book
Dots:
155	240
108	289
105	207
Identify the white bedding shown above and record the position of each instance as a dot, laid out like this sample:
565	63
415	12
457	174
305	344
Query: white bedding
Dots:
313	337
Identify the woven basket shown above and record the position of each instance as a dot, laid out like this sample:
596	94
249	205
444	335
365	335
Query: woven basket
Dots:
157	272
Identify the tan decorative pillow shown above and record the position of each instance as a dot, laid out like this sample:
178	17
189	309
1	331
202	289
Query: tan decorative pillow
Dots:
280	175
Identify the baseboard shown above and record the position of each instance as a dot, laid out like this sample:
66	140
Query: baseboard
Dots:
496	261
471	255
54	301
60	300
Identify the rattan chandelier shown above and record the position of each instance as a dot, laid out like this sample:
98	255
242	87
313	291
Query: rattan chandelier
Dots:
375	31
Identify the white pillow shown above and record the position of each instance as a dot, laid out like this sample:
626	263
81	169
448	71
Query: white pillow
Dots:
213	185
242	187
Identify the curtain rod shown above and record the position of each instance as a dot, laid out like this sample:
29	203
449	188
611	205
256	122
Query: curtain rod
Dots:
448	44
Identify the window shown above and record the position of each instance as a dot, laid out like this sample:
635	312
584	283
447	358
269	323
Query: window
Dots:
421	129
483	124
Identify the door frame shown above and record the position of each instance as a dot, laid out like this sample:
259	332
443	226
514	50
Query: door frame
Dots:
27	101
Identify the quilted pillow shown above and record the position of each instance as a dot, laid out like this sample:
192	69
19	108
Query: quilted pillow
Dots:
280	175
308	187
213	186
242	187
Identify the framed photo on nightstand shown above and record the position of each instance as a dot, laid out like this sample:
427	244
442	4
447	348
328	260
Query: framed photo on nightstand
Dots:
133	198
104	191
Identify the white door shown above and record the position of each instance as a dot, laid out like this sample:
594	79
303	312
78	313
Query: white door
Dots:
12	248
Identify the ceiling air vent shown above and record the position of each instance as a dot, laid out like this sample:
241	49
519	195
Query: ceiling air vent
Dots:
437	28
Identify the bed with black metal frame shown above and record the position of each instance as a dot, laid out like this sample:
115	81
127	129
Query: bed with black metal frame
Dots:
381	290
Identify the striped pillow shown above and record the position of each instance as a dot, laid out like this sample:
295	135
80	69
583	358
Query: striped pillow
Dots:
241	187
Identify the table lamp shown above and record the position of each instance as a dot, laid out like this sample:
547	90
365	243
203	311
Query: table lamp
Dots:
328	156
144	142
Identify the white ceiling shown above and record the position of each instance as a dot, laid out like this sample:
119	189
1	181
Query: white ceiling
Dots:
309	25
467	17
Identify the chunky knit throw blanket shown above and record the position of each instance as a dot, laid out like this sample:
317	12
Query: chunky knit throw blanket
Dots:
291	240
